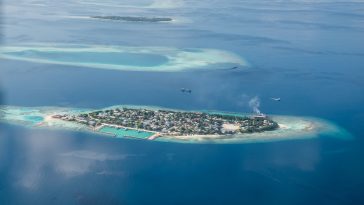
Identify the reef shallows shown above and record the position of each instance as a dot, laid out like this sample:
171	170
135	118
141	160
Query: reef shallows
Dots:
124	58
290	127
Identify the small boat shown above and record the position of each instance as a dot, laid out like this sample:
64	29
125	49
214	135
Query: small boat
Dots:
276	99
184	90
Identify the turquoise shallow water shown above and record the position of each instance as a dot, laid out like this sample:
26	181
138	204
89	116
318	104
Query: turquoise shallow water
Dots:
34	119
293	127
124	58
124	132
113	58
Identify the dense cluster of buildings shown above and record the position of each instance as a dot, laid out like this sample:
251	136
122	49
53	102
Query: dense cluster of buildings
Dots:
134	19
174	122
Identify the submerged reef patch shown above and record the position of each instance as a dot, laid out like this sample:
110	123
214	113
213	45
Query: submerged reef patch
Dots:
124	58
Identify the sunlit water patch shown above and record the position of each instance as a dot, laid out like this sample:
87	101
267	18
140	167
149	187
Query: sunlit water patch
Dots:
125	58
290	127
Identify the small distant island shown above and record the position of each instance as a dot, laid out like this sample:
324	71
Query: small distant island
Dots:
172	123
134	19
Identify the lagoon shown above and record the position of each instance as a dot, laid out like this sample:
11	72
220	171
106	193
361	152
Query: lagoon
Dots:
125	58
290	127
113	58
122	132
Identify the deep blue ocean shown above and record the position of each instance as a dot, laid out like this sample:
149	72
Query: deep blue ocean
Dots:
308	53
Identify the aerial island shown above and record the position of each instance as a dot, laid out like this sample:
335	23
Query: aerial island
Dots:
172	123
133	18
168	125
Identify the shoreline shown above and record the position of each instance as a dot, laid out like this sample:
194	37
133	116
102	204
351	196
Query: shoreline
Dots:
290	127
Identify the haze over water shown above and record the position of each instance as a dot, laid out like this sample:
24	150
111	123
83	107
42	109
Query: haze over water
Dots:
308	53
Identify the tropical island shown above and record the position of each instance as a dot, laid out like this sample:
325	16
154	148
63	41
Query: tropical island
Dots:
172	123
167	125
134	19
